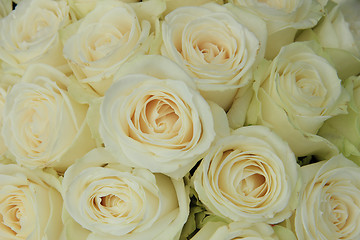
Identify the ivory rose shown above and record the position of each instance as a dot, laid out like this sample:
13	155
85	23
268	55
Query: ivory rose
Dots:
218	45
294	95
329	206
335	35
107	37
30	204
283	19
113	201
344	130
30	33
250	175
236	230
156	120
42	125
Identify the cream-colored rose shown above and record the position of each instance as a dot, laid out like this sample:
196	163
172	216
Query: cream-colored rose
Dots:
112	201
284	18
106	38
30	204
334	34
344	130
162	125
174	4
329	206
42	125
236	230
294	95
218	45
30	33
251	175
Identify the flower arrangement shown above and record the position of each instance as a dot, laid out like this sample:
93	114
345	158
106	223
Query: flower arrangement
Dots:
179	119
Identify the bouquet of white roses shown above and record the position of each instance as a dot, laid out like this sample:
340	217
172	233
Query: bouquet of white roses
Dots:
179	119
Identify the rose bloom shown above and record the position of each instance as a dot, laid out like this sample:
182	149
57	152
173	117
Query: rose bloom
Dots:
156	122
235	230
107	37
218	45
329	206
42	125
250	175
344	130
294	95
284	18
30	204
334	34
113	201
30	33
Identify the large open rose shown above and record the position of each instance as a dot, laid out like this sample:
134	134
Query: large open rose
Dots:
218	45
30	204
294	95
157	123
329	206
107	37
30	33
42	125
113	201
251	175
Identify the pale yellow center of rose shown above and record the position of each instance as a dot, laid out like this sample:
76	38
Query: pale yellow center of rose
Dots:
211	49
13	218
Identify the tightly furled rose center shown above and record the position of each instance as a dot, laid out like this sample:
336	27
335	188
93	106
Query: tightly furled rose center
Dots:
159	118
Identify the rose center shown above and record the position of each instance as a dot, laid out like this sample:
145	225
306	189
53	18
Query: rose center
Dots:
254	183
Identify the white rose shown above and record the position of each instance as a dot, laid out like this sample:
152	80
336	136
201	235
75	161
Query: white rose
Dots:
329	206
334	34
30	204
30	33
294	95
235	230
218	45
42	125
106	38
156	121
284	18
251	175
112	201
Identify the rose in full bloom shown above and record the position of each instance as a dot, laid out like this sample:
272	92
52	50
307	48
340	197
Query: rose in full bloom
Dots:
158	121
30	33
218	45
42	125
112	201
284	18
294	95
329	206
30	204
344	130
106	38
235	230
250	175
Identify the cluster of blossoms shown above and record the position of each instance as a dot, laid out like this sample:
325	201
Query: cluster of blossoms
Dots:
179	119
